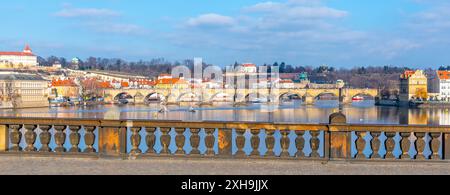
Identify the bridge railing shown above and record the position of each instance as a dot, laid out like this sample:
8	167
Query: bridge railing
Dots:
140	139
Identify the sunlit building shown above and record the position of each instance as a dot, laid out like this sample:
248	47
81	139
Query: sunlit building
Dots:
168	82
249	68
19	90
64	88
17	60
413	85
444	85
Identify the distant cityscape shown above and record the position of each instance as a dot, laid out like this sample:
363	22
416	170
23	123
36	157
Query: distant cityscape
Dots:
27	80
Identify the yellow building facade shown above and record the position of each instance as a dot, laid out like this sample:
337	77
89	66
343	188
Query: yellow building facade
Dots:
413	86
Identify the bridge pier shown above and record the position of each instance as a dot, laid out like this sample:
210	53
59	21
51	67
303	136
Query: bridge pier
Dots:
308	99
346	100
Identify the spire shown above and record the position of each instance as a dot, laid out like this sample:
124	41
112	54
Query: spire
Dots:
27	49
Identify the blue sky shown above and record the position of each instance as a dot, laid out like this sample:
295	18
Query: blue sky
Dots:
340	33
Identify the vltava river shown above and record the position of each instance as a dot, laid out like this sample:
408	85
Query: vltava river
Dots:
359	112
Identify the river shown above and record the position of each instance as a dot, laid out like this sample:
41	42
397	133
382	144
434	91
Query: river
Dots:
364	112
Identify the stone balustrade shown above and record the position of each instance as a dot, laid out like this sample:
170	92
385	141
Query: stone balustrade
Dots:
140	139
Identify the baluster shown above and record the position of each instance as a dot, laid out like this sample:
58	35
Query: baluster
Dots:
60	138
195	141
45	137
209	142
179	140
376	143
285	143
435	145
30	138
360	144
89	139
405	146
420	146
135	140
240	142
165	140
150	140
15	137
315	144
255	140
270	143
300	143
75	138
390	145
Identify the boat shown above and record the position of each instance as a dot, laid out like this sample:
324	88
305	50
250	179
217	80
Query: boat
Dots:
191	109
358	98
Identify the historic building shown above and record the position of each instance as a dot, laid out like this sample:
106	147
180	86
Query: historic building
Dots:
249	68
166	81
64	88
24	59
413	86
22	90
444	85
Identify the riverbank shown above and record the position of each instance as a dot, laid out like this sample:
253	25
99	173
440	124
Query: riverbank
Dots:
427	104
174	166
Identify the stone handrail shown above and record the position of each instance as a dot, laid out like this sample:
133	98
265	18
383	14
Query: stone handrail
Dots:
336	140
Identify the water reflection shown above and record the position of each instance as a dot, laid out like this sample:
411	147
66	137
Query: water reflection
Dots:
359	112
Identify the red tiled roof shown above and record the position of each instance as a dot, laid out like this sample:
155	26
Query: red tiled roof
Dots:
27	48
407	74
12	53
105	85
171	81
61	83
248	65
444	75
286	81
125	84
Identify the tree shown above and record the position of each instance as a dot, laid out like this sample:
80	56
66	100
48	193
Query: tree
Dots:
282	67
289	69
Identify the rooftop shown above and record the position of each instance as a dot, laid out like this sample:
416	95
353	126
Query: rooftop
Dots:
444	74
26	52
20	76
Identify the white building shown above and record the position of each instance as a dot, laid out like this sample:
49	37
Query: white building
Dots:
23	59
249	68
284	84
444	85
19	90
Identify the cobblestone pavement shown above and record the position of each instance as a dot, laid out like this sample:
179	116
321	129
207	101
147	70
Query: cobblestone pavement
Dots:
162	166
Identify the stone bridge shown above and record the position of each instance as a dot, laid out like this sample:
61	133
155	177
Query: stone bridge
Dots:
309	96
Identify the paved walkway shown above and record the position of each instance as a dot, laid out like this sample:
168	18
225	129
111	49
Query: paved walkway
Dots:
158	166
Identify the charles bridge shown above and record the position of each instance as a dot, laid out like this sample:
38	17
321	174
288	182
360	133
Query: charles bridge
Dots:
336	141
309	96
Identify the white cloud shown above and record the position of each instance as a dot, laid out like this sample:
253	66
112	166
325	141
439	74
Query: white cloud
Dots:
311	31
100	20
116	28
86	12
209	20
392	48
297	9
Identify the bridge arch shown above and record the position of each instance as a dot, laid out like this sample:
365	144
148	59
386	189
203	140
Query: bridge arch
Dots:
256	96
123	95
221	97
289	95
363	94
154	97
326	96
189	97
